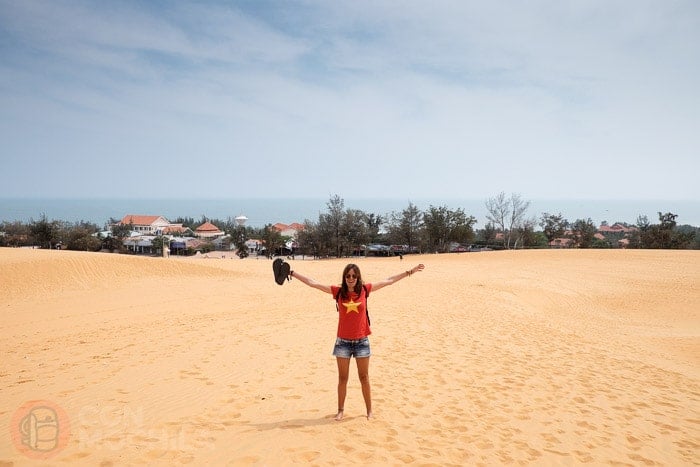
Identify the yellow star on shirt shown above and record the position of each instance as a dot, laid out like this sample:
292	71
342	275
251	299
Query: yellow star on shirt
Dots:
352	305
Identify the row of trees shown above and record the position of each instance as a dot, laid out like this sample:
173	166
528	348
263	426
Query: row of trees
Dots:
341	231
51	234
665	234
507	215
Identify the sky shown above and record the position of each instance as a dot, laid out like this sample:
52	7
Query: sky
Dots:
363	99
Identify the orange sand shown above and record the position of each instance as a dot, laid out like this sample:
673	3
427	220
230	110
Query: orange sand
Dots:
528	357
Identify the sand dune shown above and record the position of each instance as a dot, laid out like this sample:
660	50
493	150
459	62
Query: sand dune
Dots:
26	272
542	357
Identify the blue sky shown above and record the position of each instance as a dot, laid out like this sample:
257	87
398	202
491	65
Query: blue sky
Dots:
414	99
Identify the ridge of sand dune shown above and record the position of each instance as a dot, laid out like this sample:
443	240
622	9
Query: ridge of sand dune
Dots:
525	357
28	272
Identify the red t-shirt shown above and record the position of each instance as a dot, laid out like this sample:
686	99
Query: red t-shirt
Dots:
352	314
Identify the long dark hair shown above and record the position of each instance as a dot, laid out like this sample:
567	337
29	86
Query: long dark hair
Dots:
344	292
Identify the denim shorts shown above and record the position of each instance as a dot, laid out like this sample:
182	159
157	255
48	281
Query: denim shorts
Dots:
358	348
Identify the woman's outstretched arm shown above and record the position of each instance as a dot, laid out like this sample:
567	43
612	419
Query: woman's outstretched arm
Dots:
395	278
310	282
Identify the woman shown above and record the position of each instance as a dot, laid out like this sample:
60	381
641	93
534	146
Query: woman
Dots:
353	326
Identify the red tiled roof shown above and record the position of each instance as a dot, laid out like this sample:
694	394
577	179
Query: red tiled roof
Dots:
615	228
177	228
293	226
139	219
207	227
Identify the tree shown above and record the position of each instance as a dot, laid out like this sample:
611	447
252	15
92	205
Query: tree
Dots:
330	225
82	238
665	234
186	222
598	243
121	231
689	234
14	234
527	235
462	227
309	239
508	214
518	208
272	239
553	226
112	243
635	238
115	242
354	230
444	226
159	243
374	223
405	228
43	232
498	208
239	239
488	234
583	232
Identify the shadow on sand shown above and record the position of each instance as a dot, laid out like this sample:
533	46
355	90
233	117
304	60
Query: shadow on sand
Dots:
302	422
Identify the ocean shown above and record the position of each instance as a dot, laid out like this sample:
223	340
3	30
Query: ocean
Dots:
288	210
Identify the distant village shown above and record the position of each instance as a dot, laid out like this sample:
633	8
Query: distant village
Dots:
618	231
208	237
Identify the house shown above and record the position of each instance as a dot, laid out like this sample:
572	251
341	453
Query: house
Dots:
145	229
290	230
208	230
146	225
180	246
616	228
565	242
617	231
140	244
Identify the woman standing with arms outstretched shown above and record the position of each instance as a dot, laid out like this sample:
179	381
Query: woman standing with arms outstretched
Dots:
353	326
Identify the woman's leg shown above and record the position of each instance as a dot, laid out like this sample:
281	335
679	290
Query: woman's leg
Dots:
363	374
343	372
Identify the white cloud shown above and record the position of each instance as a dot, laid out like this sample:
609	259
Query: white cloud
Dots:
555	98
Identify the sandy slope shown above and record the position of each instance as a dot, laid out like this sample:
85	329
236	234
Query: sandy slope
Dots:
543	357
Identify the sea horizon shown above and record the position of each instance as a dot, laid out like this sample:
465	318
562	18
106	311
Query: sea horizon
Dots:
263	211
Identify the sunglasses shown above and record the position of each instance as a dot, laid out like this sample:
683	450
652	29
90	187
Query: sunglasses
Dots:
350	276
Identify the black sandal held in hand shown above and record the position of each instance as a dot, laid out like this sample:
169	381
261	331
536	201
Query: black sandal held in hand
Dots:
281	269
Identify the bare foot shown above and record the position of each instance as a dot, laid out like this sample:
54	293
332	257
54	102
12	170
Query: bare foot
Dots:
339	415
369	415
